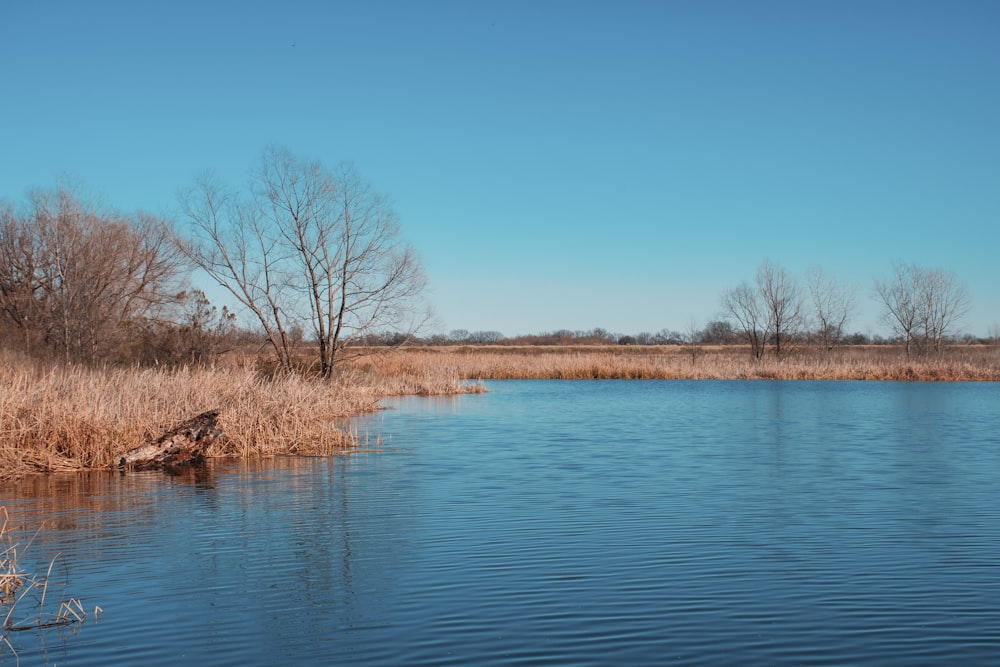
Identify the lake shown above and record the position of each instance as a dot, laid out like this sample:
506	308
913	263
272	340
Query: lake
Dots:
556	522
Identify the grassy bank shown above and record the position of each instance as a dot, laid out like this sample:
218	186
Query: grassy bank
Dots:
73	418
971	363
55	418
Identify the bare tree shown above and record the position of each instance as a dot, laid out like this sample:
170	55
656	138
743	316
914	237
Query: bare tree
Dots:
717	331
74	277
240	252
192	332
692	340
769	310
307	247
922	305
833	303
780	296
745	305
899	296
993	334
943	301
485	337
19	303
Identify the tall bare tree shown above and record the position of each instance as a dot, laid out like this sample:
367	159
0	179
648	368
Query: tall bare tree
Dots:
922	305
770	310
781	298
237	249
943	302
304	246
833	304
752	316
899	296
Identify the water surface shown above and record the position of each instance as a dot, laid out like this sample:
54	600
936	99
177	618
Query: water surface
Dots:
690	523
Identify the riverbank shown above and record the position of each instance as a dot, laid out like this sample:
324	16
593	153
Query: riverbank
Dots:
690	362
55	418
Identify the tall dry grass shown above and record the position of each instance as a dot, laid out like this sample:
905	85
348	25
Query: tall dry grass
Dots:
72	418
978	363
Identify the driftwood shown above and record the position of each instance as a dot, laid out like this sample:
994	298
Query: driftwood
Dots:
183	445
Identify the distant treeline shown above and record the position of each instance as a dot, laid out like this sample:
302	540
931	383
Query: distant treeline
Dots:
716	332
923	307
315	264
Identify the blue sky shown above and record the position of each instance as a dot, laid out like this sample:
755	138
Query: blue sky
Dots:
557	165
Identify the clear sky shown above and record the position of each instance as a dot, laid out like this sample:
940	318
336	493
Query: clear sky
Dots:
557	165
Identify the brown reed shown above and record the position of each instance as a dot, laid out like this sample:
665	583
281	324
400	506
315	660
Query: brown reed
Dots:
969	363
56	418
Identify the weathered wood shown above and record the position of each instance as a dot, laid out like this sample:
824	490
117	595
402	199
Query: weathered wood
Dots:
183	445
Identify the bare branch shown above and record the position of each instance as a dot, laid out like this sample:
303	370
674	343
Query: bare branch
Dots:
744	304
833	305
922	305
307	247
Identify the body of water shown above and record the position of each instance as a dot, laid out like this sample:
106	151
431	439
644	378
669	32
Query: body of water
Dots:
563	523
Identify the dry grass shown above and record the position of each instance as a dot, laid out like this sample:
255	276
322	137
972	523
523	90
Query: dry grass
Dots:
973	363
58	418
11	578
25	603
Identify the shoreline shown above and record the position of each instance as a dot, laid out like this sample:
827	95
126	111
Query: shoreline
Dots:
870	363
58	418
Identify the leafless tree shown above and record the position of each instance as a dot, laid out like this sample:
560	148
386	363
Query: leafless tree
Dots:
780	295
922	305
195	332
74	277
943	302
234	246
993	334
717	331
307	247
833	303
899	296
485	337
745	305
19	302
769	310
692	340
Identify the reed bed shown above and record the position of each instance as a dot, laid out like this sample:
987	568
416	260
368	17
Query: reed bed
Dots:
58	418
72	418
972	363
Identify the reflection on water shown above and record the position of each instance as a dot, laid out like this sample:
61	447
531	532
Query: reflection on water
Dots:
560	522
221	556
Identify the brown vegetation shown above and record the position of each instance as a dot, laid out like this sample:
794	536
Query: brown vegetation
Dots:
71	418
76	417
104	346
672	362
77	281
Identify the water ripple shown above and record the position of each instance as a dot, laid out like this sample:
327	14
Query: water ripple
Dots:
561	523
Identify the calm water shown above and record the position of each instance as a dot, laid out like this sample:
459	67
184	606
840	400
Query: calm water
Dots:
688	523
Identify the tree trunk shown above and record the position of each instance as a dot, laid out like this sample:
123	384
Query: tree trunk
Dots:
183	445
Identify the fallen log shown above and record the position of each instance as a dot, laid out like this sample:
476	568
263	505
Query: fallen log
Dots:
183	445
